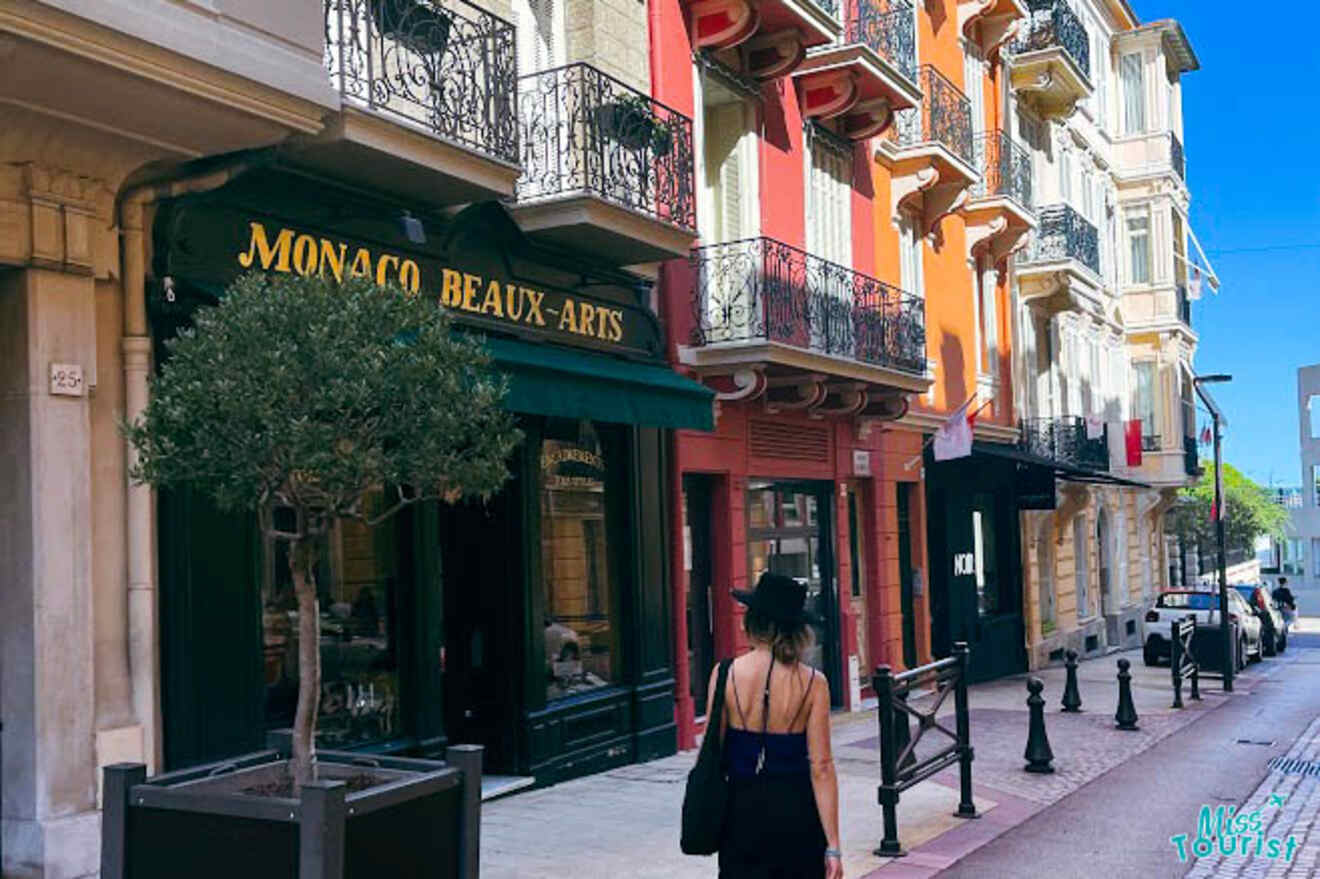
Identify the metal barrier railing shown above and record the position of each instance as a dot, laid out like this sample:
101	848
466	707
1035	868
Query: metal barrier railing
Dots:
900	767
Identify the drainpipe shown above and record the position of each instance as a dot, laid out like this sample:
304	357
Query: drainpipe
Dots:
140	635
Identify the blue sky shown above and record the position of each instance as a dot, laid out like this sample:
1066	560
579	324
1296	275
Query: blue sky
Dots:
1252	134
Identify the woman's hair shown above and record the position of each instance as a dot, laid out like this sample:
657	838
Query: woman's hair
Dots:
787	642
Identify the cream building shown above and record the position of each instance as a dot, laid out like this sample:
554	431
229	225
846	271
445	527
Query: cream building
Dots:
1102	314
107	111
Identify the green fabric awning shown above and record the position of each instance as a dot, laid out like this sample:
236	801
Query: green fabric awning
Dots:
550	380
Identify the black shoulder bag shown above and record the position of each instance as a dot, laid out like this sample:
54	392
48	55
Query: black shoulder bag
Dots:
706	797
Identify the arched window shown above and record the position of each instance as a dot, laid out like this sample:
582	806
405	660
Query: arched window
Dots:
1103	557
1045	579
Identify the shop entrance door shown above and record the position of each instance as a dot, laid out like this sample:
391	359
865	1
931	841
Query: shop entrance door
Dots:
483	597
976	581
698	563
790	532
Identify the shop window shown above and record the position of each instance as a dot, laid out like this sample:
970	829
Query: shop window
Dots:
581	638
357	579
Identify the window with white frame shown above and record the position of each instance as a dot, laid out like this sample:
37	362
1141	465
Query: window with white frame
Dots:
1065	174
1100	66
1044	365
909	255
730	172
1088	196
988	316
974	85
540	34
1138	250
1132	73
828	198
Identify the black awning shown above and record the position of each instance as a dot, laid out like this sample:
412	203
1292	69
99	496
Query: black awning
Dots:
1060	469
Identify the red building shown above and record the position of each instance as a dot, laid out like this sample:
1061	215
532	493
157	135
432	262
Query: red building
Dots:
782	311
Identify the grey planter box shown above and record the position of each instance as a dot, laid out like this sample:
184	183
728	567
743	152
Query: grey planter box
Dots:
197	823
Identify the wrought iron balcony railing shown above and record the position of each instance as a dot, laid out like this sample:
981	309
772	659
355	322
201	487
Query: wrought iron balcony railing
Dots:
1063	234
888	27
1005	168
1184	305
1063	439
1176	157
443	65
1191	456
944	117
829	7
1053	23
585	132
765	290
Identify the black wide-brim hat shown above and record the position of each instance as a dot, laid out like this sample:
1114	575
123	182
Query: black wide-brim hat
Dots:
778	598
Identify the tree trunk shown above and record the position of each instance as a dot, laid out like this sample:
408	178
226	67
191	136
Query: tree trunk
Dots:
309	663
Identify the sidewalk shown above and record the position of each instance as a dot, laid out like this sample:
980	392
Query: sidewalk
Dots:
625	822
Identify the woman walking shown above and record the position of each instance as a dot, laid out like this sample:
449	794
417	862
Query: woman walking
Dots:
783	815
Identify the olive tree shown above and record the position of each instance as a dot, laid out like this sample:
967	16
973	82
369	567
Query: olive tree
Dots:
298	397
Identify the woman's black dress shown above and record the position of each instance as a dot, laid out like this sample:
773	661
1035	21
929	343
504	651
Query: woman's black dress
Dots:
773	829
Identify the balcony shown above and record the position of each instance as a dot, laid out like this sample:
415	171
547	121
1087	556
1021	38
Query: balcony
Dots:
1141	156
868	73
772	36
1063	440
803	332
1191	457
427	91
929	152
1060	268
1051	60
990	23
605	167
1000	213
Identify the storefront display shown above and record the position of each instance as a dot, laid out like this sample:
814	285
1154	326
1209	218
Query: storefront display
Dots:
533	622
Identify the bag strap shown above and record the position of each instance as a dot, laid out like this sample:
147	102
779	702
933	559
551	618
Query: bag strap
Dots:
765	717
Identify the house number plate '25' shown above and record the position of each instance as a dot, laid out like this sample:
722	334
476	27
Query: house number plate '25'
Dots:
66	380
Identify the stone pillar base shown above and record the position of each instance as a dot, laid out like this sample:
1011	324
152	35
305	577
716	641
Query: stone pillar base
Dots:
56	848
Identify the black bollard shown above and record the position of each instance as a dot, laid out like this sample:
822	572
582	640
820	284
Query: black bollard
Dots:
1038	751
1126	716
1072	698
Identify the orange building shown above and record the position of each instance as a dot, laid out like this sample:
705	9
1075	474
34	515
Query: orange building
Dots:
953	202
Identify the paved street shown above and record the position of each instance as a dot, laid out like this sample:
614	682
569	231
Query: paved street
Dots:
1112	805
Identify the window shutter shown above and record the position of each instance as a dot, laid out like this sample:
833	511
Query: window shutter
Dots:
724	169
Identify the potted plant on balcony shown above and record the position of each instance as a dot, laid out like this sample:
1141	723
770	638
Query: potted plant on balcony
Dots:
298	399
419	26
631	121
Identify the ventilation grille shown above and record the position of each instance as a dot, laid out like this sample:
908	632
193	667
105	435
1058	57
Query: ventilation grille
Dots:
798	442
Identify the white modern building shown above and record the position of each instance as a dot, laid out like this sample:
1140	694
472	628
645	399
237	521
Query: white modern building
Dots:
1297	556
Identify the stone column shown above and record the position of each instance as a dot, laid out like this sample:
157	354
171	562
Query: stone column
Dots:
143	643
48	817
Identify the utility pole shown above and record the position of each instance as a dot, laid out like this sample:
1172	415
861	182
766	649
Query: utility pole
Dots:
1226	630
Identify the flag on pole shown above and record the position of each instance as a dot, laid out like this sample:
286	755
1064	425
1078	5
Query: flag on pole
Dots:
954	438
1193	283
1206	436
1133	442
1095	427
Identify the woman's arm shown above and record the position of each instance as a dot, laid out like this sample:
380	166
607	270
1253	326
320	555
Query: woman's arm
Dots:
824	782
